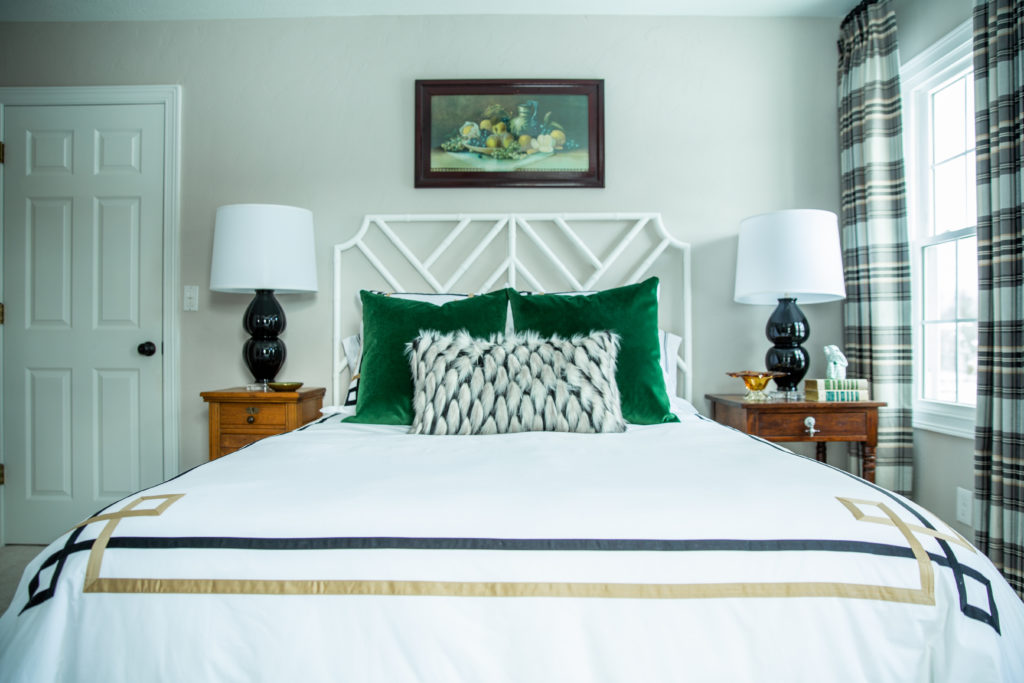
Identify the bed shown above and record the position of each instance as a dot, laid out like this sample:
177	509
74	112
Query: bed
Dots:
358	551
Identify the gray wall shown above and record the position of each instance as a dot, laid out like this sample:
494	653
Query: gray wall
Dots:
920	23
707	121
941	462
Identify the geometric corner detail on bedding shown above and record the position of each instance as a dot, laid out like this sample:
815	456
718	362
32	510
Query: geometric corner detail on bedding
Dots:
95	547
92	570
853	505
516	383
987	614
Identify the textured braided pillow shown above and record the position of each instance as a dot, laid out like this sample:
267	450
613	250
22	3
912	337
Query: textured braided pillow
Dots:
519	383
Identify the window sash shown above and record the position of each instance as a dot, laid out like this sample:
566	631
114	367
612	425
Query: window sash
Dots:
941	65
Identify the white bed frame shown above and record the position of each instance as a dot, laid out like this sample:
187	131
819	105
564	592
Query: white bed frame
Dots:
512	271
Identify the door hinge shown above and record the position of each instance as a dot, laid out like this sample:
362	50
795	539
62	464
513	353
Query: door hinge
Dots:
1	474
1	314
1	152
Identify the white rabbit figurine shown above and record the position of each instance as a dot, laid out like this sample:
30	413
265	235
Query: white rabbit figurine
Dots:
836	368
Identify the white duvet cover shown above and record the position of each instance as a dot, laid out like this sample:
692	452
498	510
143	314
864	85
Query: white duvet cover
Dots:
359	553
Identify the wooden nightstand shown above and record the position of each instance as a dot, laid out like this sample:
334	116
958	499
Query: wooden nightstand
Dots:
239	417
819	422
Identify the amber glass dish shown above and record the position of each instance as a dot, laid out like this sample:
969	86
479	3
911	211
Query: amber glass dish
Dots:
756	381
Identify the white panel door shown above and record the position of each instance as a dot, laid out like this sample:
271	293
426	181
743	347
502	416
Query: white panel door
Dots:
83	259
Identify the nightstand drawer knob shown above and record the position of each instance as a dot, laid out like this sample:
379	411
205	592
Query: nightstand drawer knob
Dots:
809	423
252	410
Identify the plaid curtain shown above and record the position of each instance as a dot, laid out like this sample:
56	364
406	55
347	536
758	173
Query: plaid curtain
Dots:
999	436
876	255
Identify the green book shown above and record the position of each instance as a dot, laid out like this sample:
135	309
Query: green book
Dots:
836	384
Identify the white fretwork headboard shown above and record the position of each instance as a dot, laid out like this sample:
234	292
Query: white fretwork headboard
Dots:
537	251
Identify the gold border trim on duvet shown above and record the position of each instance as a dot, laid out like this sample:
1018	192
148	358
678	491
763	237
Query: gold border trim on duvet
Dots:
922	595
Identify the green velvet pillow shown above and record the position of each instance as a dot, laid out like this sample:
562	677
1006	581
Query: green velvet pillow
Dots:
631	312
385	381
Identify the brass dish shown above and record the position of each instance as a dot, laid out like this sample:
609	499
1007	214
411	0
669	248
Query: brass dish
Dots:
284	386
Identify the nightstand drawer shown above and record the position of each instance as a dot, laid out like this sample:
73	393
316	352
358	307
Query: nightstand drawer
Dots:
232	442
266	415
786	425
788	421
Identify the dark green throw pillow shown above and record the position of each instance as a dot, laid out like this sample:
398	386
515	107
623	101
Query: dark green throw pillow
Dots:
632	313
385	381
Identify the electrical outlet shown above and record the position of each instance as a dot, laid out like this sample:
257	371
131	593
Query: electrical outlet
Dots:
964	505
191	298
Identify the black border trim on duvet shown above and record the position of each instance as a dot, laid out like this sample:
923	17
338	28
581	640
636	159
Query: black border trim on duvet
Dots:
506	544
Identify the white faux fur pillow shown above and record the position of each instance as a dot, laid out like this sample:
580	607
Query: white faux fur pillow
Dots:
517	383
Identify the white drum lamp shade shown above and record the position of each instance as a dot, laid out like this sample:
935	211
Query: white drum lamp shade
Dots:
789	254
263	248
783	257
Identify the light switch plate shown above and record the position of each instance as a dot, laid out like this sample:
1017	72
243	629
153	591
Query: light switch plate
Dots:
964	504
191	298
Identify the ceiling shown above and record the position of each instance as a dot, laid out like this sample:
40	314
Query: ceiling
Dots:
163	10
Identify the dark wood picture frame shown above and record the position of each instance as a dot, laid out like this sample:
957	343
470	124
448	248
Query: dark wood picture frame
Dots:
510	133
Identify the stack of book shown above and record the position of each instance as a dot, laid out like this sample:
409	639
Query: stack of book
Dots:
837	390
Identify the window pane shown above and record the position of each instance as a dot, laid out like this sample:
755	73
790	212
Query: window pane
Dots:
971	174
969	132
967	277
939	367
949	119
967	349
951	186
939	263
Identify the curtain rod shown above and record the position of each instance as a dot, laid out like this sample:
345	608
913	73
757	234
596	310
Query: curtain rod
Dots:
859	9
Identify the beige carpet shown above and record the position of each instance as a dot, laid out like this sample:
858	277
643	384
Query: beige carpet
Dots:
13	559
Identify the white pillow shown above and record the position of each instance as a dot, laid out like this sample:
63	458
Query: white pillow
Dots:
438	299
669	344
338	410
681	407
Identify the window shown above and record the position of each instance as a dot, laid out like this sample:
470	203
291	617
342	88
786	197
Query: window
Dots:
938	116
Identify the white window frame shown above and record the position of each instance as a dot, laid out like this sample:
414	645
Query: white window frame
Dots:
940	63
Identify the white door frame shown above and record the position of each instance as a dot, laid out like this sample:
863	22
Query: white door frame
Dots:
170	97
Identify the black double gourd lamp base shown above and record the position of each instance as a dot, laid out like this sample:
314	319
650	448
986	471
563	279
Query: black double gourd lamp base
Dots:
787	329
263	352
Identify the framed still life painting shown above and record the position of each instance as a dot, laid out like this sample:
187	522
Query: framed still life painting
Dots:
510	133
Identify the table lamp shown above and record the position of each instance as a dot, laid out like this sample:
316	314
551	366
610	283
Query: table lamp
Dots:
263	248
784	256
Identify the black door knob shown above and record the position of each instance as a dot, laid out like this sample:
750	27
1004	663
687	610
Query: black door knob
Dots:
147	348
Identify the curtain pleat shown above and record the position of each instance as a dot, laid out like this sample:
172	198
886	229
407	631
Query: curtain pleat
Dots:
999	434
876	258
